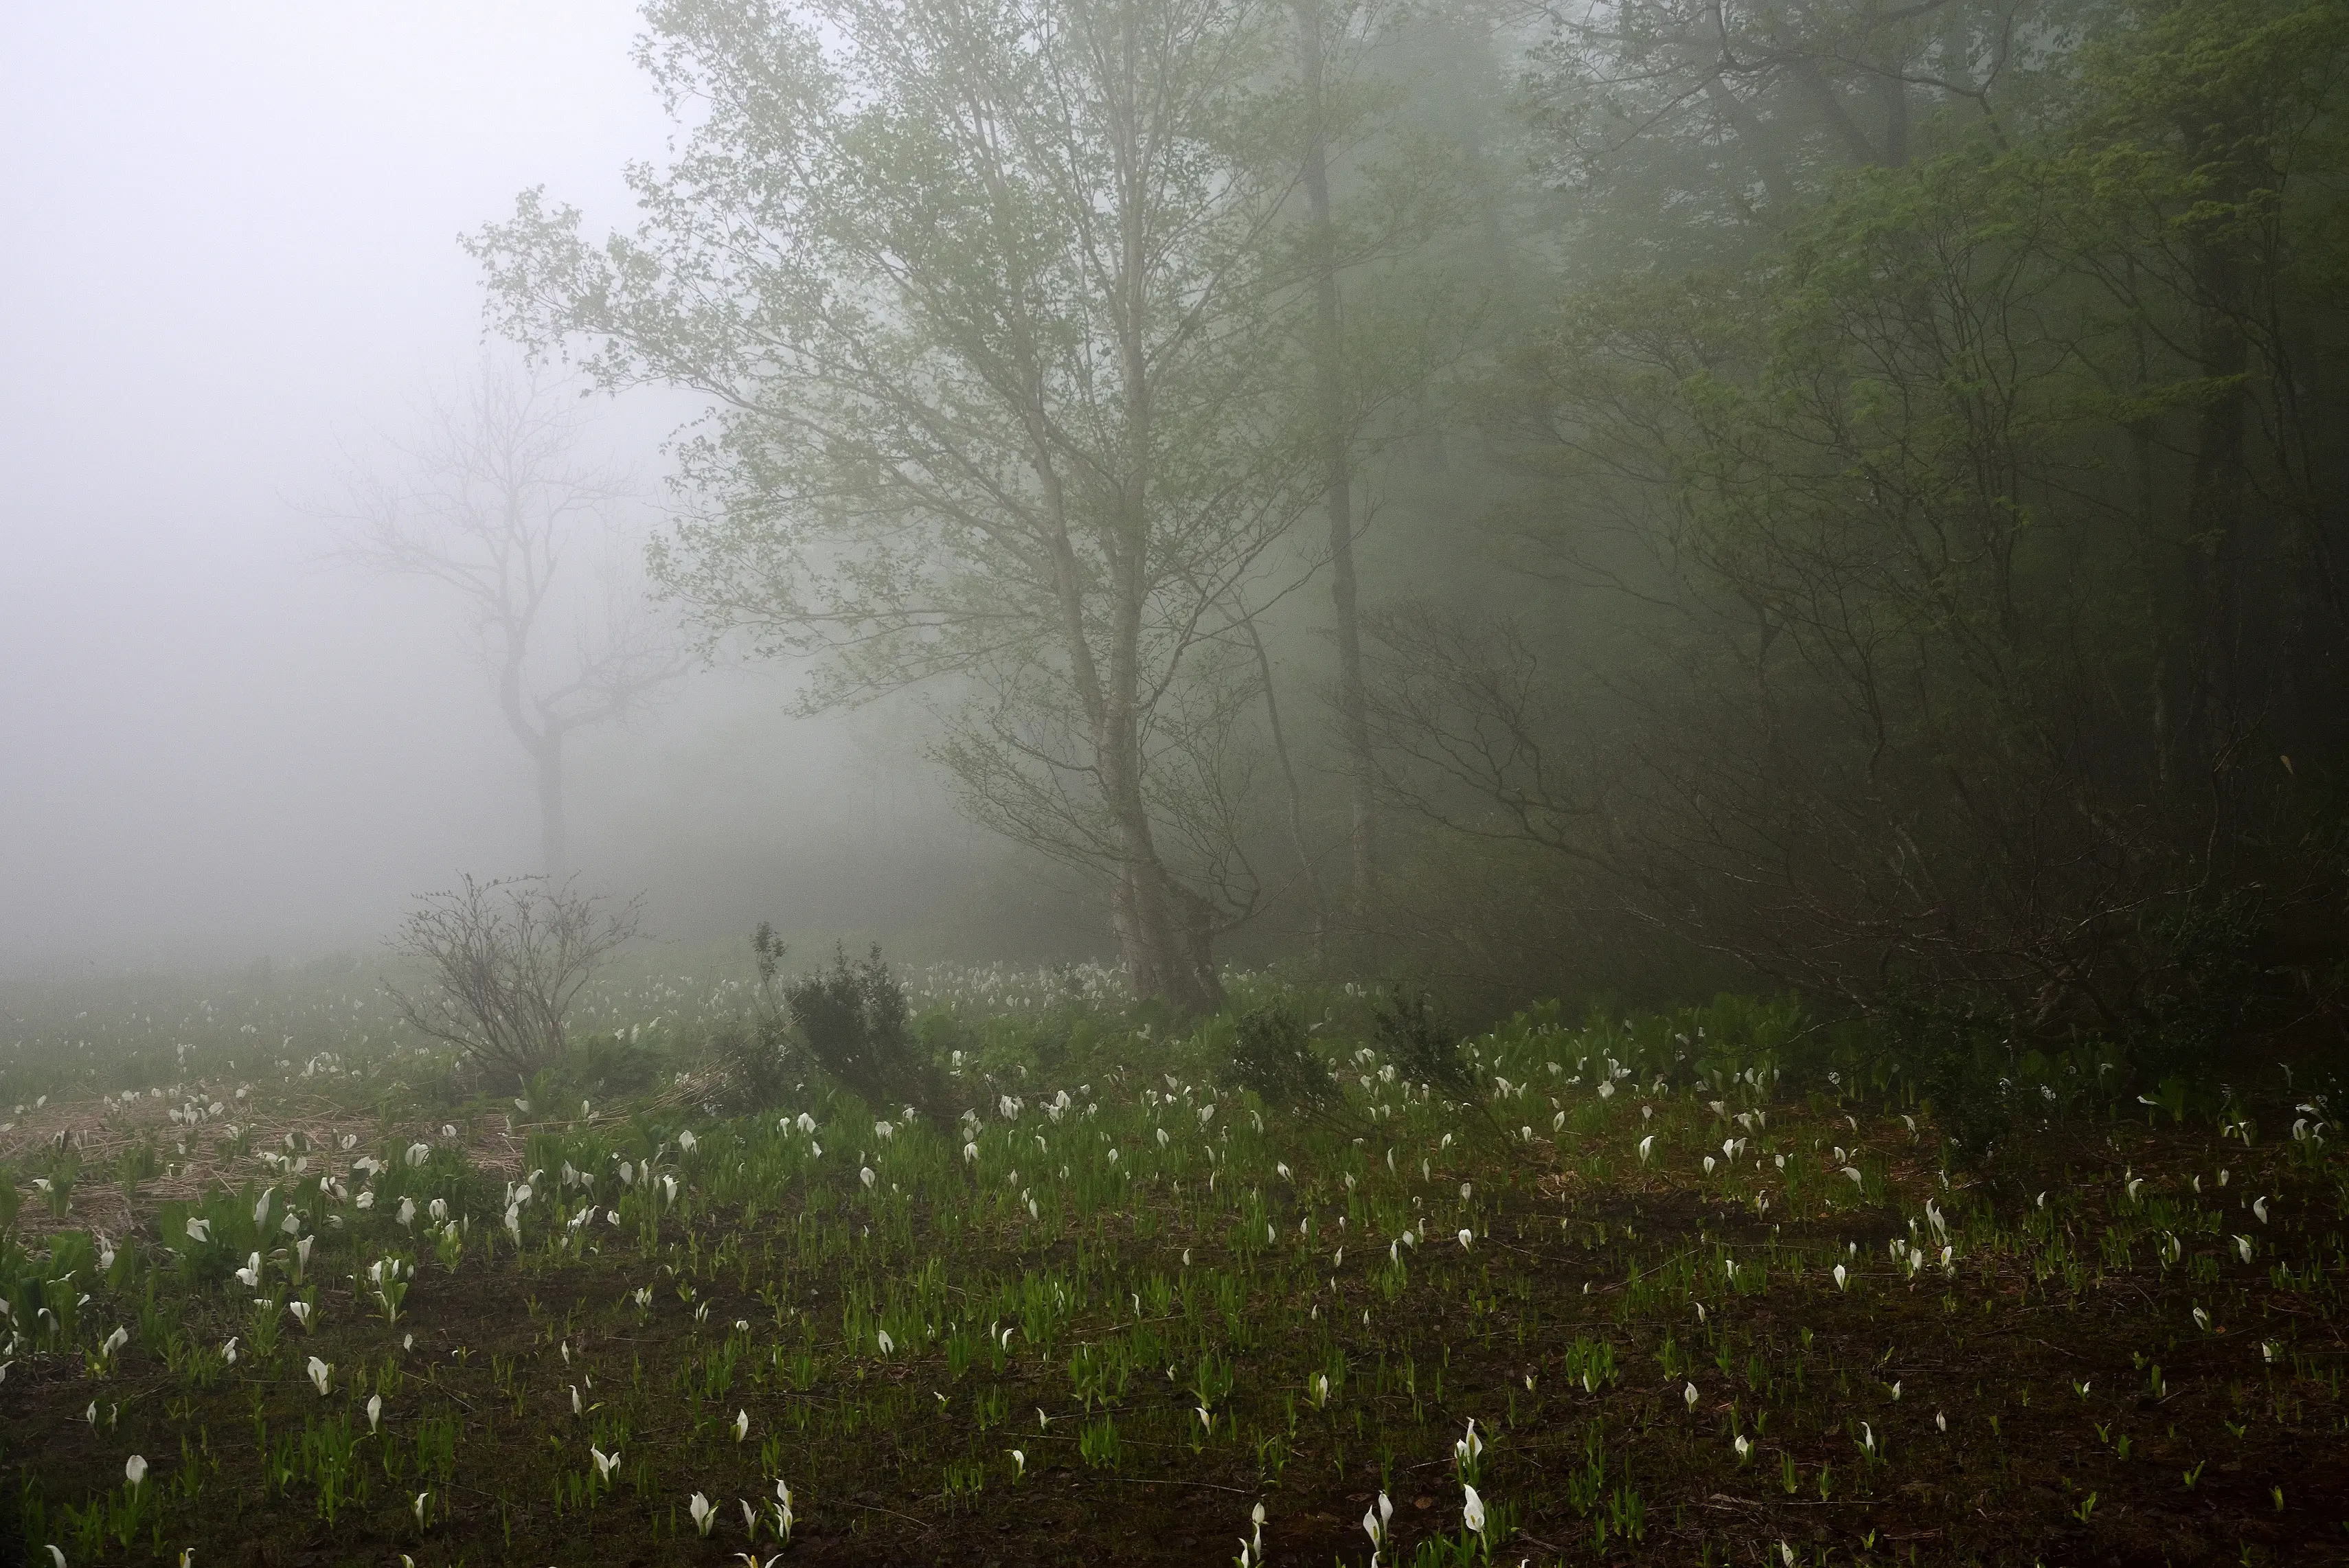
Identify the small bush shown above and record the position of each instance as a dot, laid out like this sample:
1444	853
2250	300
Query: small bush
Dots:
1960	1075
757	1050
1420	1041
1273	1055
852	1019
505	960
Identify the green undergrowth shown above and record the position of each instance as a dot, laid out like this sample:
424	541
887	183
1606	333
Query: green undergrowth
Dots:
1714	1286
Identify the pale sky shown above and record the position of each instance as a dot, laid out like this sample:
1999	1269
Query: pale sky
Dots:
232	257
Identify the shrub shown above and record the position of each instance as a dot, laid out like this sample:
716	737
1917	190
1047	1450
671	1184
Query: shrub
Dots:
757	1050
1420	1041
852	1019
505	961
1273	1055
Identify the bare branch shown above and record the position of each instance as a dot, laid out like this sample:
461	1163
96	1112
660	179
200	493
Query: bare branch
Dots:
505	960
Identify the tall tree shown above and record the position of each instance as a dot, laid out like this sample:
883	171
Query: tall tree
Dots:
1334	431
493	502
987	299
1986	548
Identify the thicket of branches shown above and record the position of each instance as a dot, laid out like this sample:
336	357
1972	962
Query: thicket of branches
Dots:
503	961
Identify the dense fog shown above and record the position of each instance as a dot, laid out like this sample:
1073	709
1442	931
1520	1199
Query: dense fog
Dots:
236	280
1063	781
1623	499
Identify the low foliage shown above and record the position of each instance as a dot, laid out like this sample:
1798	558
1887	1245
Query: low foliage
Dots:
1701	1287
853	1021
1272	1057
504	960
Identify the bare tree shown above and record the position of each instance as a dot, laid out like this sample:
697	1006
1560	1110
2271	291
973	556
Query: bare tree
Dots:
506	959
493	502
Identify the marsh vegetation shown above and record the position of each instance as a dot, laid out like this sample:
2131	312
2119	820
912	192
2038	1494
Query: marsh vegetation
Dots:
1706	1286
1376	554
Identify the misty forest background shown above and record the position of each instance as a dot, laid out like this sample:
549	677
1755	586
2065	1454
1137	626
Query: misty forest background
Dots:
1628	498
